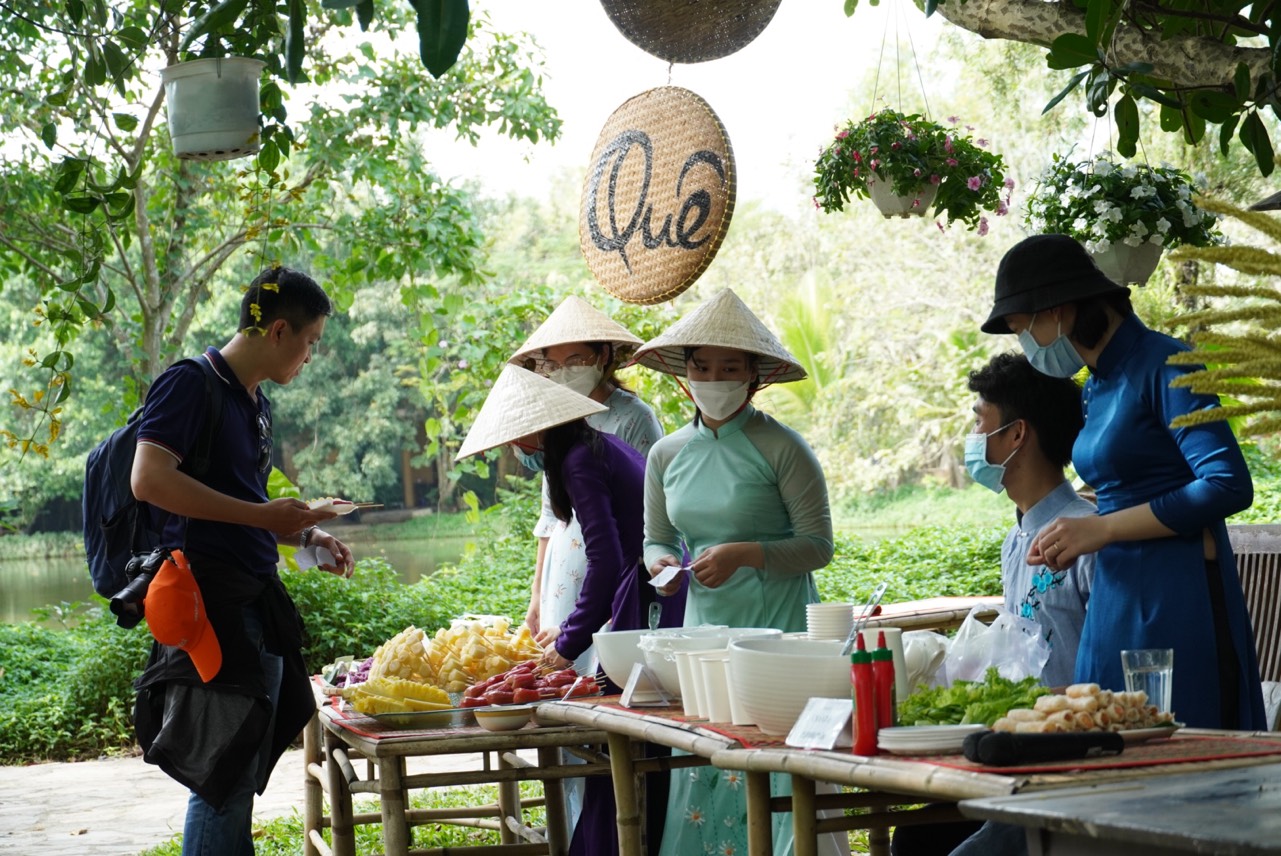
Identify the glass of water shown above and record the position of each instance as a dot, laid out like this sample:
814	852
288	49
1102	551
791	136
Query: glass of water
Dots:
1150	670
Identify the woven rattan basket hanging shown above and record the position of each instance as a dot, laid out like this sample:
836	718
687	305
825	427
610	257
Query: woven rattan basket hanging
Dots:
658	197
685	31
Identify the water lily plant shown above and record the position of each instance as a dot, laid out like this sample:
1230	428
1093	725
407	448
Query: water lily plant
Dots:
912	153
1101	202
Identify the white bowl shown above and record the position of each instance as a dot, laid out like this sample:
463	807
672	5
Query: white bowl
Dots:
775	677
505	718
617	651
660	647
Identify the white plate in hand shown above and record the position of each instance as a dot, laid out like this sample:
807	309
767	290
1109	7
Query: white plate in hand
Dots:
329	503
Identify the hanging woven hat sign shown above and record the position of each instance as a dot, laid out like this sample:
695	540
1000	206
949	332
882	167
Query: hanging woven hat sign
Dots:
658	197
685	31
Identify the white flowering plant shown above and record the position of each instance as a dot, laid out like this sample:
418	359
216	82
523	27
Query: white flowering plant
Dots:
1100	203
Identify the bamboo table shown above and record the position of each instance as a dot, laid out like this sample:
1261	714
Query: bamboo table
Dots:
331	772
627	731
890	781
884	782
934	613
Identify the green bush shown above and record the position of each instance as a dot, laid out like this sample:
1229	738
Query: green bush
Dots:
928	562
355	616
68	692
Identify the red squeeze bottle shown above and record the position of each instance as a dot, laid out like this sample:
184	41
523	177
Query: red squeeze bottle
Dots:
883	679
864	700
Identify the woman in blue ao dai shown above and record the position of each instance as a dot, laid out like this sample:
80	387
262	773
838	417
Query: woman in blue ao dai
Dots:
1165	576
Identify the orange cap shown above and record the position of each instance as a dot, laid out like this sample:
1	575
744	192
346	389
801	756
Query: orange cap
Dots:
175	612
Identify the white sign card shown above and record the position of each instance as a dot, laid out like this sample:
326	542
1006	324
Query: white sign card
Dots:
643	690
823	724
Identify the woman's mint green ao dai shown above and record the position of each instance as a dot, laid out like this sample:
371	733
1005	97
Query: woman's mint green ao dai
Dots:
753	479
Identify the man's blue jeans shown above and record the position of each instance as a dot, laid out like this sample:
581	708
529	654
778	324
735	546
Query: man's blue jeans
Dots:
229	832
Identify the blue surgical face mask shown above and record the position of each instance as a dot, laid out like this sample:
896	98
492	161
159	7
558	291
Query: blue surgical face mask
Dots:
1057	359
991	476
529	460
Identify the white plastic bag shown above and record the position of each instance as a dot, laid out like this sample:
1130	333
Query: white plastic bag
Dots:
1011	643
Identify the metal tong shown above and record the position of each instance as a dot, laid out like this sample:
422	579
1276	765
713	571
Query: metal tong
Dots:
861	621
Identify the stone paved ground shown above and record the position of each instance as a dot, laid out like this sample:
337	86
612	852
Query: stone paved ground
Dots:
122	806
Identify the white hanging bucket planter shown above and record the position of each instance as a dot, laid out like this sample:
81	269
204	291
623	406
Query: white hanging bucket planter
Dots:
891	204
1124	264
213	107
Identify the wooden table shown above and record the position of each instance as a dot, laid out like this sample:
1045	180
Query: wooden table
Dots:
893	781
627	732
330	772
1231	812
885	782
934	613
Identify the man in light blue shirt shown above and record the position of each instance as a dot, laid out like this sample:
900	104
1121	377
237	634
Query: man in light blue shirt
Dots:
1025	424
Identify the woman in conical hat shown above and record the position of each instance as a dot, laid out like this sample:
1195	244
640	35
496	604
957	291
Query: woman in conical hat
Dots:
581	348
746	499
590	474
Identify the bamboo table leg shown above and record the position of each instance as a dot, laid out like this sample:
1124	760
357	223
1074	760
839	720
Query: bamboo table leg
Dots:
392	796
760	834
313	793
508	804
623	771
344	833
878	842
804	816
554	802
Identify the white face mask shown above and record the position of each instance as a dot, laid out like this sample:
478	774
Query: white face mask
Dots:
581	379
719	399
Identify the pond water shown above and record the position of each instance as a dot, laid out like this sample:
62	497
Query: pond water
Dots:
29	583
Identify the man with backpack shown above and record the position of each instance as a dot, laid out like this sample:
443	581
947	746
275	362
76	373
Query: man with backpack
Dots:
216	715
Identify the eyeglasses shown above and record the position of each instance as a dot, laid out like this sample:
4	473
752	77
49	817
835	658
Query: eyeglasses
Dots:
264	443
547	367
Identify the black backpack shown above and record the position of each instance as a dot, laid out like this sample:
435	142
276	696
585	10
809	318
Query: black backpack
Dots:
116	525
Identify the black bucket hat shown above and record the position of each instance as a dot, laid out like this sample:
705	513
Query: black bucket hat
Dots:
1042	272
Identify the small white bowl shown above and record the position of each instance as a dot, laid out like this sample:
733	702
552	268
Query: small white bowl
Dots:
504	718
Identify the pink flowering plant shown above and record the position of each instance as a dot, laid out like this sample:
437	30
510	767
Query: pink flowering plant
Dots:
911	152
1101	202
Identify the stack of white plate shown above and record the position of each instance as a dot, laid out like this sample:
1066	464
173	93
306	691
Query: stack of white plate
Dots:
829	620
925	739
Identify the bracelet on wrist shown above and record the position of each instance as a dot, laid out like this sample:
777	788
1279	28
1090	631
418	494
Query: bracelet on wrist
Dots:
305	537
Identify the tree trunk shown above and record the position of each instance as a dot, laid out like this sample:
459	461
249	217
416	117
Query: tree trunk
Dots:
1184	61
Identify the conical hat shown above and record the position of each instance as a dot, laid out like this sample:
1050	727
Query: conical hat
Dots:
576	320
722	321
521	403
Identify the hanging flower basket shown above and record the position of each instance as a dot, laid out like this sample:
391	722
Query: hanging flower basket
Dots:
1125	215
891	204
1126	264
213	107
891	154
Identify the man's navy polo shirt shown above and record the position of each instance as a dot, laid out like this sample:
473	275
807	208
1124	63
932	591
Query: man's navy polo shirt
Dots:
172	420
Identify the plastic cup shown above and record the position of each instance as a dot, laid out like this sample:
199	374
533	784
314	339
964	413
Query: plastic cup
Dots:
716	687
685	670
1152	671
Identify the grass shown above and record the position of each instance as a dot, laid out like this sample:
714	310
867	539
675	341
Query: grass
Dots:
283	836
